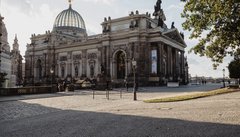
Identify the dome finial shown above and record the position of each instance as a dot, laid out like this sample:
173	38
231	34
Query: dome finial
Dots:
15	35
70	3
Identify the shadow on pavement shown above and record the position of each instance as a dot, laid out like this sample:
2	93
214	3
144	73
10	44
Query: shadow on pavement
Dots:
39	121
182	88
31	96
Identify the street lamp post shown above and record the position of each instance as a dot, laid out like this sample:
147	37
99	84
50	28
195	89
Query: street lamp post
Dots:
51	71
223	78
134	63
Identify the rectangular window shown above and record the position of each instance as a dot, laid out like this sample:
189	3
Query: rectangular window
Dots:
154	61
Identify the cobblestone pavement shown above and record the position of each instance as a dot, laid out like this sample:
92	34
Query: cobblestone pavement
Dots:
78	114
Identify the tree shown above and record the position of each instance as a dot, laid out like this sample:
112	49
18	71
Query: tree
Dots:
219	20
233	68
2	78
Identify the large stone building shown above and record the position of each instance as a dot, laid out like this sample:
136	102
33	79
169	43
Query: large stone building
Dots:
5	58
70	54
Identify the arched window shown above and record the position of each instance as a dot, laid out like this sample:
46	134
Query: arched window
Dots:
120	58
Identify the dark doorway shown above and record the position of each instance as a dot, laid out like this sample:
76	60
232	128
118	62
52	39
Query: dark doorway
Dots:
120	58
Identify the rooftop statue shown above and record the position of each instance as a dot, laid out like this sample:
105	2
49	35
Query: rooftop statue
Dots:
157	7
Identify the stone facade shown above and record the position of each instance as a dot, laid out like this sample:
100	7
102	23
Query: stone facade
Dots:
71	54
5	60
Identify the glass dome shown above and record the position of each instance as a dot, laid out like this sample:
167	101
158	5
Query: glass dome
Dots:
69	18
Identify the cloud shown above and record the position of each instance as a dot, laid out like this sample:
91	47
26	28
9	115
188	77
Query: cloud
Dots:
190	42
24	6
107	2
192	61
175	7
23	19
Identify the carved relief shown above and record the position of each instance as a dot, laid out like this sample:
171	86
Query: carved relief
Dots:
119	47
92	56
77	57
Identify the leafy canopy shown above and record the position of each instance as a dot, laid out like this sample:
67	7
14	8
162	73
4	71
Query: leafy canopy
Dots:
234	69
217	26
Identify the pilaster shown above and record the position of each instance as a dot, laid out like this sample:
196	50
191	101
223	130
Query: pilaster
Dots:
169	61
84	62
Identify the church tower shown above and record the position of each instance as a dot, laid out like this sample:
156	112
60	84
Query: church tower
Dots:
16	61
15	44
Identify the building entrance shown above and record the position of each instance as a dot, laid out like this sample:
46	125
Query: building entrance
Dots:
121	67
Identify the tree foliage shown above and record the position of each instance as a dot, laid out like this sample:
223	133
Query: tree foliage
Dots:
217	26
234	69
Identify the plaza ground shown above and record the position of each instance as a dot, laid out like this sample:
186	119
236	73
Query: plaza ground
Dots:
78	114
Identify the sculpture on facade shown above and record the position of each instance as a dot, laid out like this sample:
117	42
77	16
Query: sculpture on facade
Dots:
182	34
157	7
172	26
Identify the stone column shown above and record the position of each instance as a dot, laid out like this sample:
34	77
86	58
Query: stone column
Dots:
59	70
108	56
143	58
177	63
169	61
66	69
84	62
70	63
160	58
136	50
131	56
182	62
113	72
71	68
135	53
103	56
57	66
99	58
49	63
45	64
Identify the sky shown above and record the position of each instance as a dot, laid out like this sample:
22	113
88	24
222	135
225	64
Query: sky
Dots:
26	17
